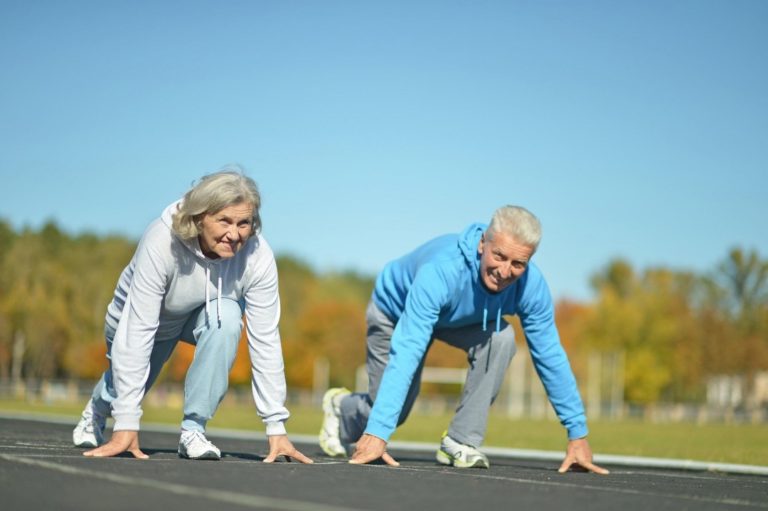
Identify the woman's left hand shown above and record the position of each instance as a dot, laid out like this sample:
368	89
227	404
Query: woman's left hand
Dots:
121	441
279	445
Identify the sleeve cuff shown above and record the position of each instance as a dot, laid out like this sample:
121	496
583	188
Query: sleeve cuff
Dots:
126	423
378	431
275	428
577	431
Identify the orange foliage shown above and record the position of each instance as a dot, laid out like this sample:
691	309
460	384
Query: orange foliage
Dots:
89	360
176	367
241	369
333	330
569	318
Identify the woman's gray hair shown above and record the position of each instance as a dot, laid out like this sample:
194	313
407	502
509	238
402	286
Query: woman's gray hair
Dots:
211	194
518	223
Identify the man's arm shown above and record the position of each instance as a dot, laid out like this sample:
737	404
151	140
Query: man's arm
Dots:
409	343
537	317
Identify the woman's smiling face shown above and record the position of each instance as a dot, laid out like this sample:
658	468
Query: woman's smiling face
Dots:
225	232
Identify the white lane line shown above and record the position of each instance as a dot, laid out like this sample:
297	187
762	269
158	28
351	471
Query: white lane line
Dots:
229	497
27	447
34	447
704	476
461	473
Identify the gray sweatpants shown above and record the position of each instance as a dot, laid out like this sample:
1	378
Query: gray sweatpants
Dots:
488	354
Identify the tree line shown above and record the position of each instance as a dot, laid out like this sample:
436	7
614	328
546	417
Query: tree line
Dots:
674	328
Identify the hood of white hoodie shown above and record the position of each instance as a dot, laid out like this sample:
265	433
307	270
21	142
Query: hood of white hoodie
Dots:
192	244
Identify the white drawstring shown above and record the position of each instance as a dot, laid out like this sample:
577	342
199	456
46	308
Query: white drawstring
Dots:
208	297
207	293
218	301
485	316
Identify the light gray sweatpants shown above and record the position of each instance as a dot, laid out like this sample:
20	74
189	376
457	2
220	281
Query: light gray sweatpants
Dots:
207	378
488	354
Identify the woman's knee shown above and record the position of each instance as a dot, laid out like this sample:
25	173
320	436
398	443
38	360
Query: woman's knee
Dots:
230	315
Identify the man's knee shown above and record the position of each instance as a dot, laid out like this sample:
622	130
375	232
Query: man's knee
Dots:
504	342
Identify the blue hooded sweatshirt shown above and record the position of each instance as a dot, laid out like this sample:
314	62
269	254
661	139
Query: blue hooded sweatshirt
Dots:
438	286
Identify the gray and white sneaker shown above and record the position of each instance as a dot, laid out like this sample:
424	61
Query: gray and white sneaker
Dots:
194	446
330	433
89	431
454	454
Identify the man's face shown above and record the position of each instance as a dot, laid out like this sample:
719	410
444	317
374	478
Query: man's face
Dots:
223	233
502	260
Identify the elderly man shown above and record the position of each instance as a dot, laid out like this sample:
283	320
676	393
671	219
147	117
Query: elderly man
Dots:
456	288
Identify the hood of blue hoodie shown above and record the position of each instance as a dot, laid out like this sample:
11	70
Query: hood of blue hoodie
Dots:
469	239
452	264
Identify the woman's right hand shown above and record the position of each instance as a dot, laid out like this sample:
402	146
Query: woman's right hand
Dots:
121	441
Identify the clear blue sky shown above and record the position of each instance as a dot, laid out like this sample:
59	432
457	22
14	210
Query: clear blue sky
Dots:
633	129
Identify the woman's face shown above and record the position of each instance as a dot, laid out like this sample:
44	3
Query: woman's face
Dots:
223	233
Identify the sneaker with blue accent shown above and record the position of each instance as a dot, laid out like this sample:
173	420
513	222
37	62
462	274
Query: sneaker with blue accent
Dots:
194	446
89	431
455	454
330	434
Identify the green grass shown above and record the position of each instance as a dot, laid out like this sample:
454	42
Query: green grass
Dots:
733	443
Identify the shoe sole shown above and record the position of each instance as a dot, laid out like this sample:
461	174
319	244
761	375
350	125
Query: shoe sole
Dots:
328	410
87	445
206	456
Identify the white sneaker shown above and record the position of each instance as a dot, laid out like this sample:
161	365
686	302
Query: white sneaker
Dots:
194	446
453	453
89	432
330	440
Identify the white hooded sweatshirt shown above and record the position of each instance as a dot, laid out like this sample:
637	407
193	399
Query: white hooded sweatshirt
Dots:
166	280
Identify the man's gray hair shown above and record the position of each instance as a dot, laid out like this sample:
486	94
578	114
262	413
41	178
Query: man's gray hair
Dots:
210	195
518	223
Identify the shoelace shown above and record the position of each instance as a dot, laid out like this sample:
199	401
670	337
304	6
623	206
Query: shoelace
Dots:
196	437
90	423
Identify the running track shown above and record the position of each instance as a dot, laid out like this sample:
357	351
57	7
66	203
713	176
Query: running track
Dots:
40	470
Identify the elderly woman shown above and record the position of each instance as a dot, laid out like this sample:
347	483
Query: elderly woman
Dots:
196	271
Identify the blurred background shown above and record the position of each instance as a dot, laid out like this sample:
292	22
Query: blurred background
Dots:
636	131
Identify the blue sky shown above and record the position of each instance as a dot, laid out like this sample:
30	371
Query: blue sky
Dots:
634	129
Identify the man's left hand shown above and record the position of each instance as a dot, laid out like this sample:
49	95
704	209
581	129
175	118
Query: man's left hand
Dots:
370	448
579	453
279	445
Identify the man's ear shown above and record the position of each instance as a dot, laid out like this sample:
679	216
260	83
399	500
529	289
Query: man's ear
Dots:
481	243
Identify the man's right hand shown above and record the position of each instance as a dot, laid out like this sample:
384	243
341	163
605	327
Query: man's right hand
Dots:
121	441
370	448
